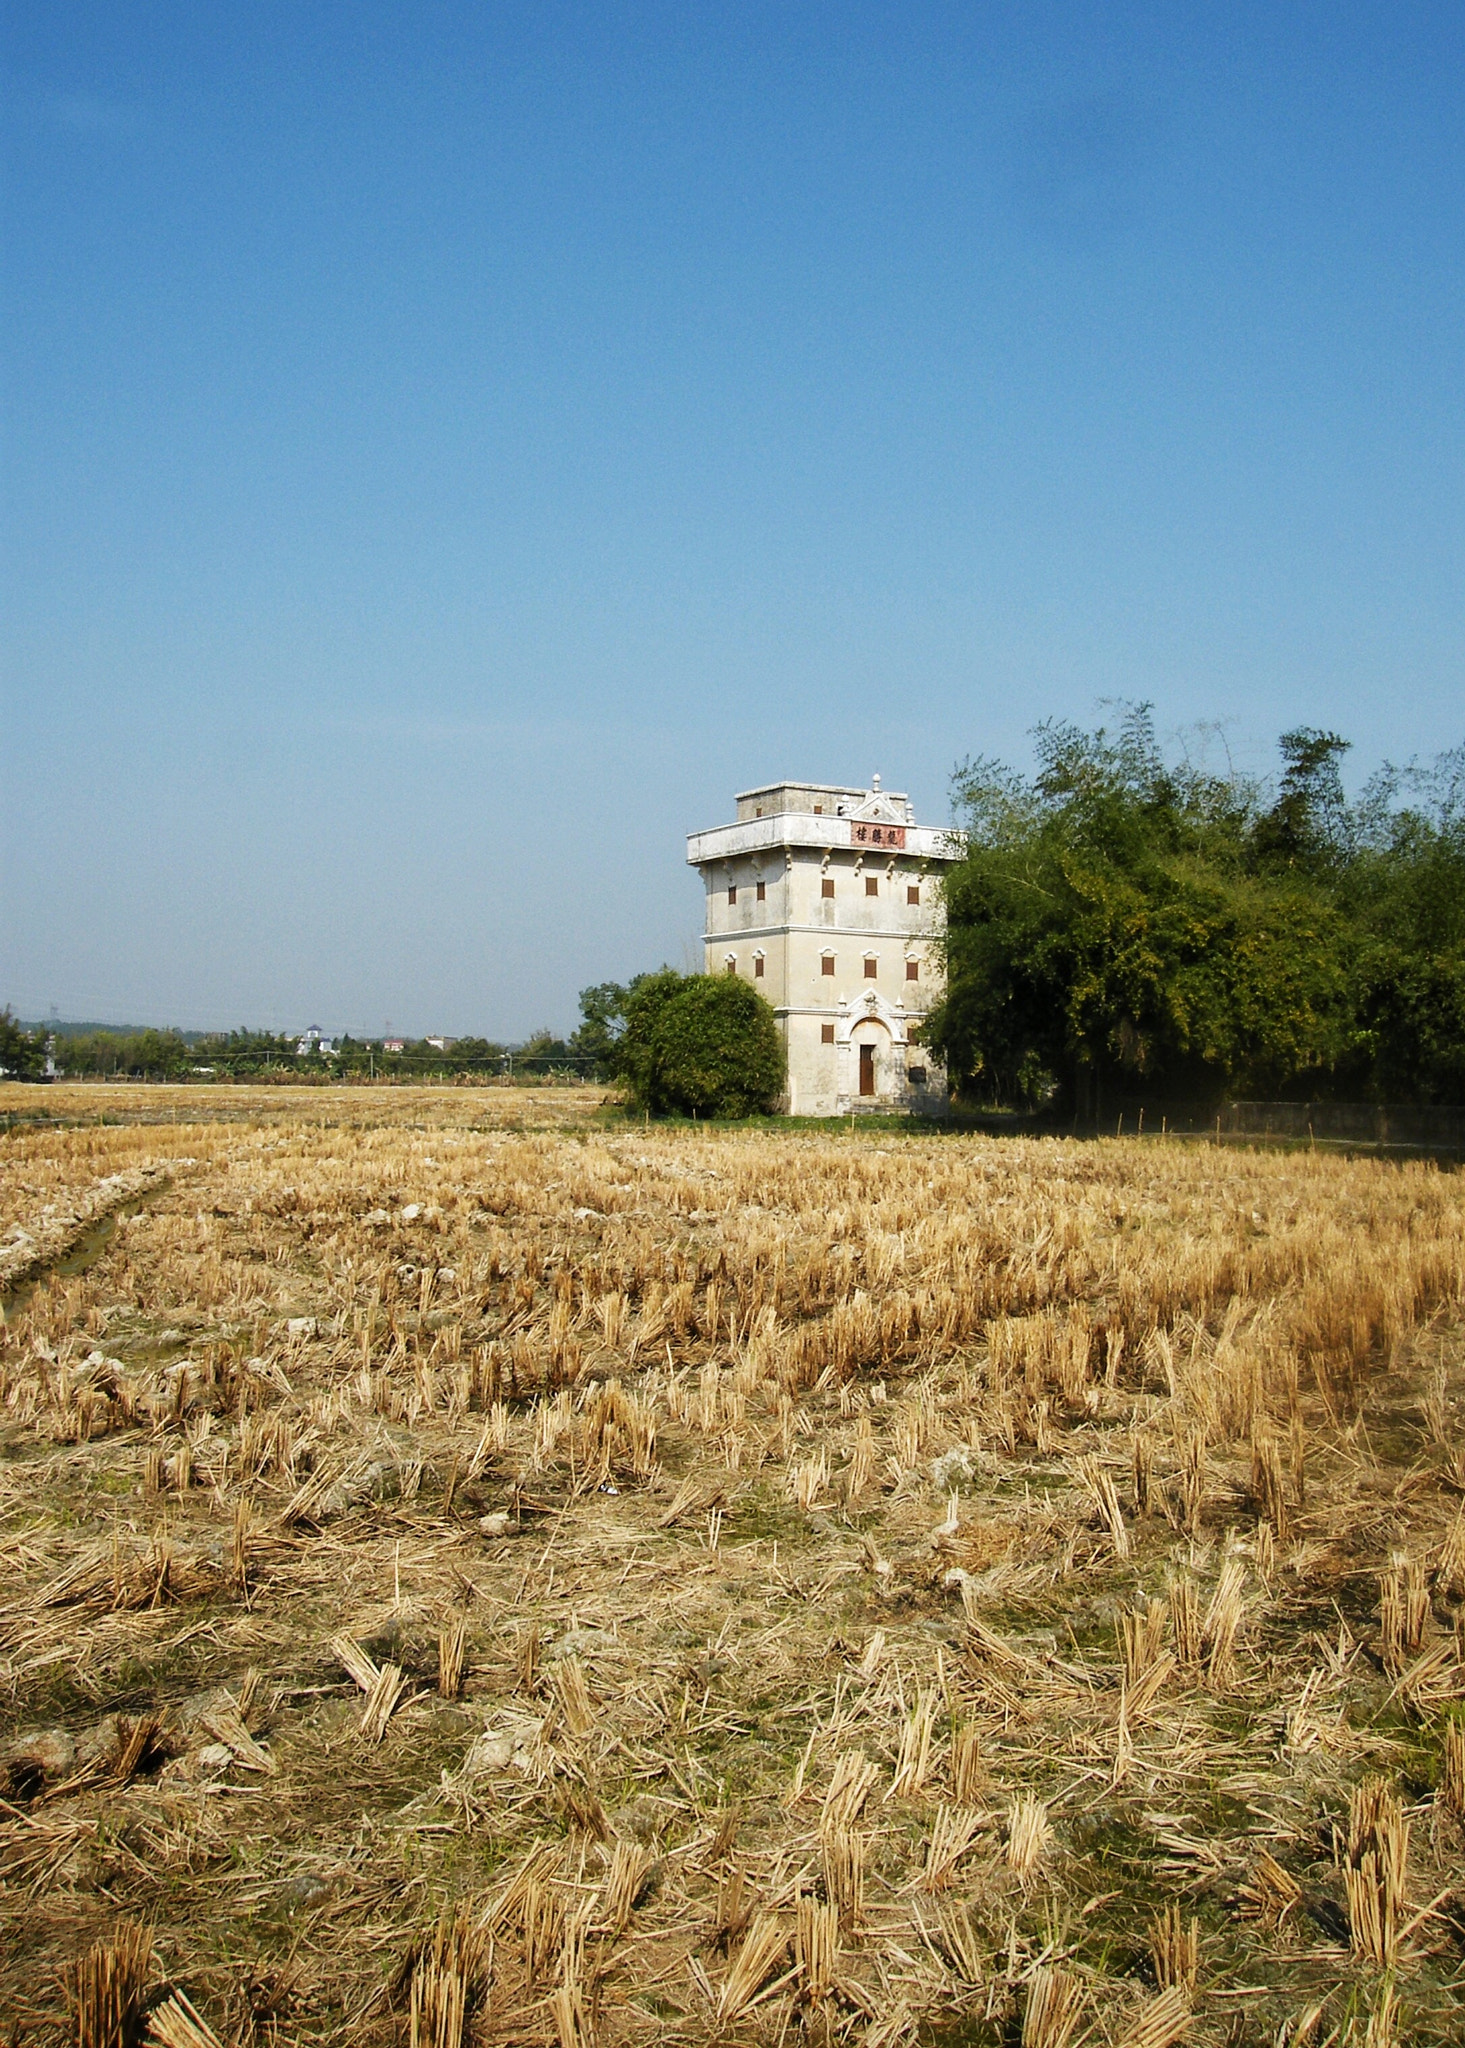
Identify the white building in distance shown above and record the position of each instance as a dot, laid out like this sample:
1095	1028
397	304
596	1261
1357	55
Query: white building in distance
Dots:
825	899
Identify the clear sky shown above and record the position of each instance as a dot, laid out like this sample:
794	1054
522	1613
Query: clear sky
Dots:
449	449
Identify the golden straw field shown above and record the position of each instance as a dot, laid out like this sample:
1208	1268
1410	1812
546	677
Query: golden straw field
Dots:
480	1571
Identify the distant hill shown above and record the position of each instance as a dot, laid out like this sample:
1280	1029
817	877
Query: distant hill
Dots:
67	1027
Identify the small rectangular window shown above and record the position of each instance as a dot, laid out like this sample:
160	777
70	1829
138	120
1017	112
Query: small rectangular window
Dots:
732	966
757	967
912	970
872	885
762	892
826	886
872	968
918	1077
826	1034
732	893
913	893
826	965
818	810
759	812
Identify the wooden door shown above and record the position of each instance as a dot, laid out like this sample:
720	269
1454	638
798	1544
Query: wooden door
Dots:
867	1070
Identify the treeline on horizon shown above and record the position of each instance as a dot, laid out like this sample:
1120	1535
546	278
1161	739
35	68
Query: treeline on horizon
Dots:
1120	926
1123	925
101	1052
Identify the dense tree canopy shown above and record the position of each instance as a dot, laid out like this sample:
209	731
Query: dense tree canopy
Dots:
22	1052
1122	923
686	1044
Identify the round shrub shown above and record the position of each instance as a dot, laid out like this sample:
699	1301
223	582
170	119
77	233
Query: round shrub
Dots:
700	1045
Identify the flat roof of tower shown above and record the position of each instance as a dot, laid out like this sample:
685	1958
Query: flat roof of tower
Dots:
815	788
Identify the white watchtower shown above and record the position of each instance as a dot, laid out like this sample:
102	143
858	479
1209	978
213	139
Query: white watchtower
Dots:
824	898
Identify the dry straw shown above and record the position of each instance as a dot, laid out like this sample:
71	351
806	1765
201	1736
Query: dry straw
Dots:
1162	2021
1271	1892
959	1940
1404	1612
542	1915
108	1986
1450	1569
843	1851
816	1947
849	1788
572	2001
1375	1858
1184	1605
913	1760
1055	2005
452	1643
1452	1772
1175	1950
177	2023
1223	1621
447	1979
573	1696
764	1945
1101	1489
1028	1835
1267	1486
711	1395
969	1776
631	1865
953	1834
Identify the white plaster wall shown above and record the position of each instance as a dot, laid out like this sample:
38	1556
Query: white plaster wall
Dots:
792	853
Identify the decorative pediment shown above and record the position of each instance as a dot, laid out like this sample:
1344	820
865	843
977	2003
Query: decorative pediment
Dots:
879	818
872	1007
879	809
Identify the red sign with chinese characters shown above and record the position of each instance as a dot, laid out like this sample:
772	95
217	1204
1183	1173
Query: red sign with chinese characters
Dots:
878	835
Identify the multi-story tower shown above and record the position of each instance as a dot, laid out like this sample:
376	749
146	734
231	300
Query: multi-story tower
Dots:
825	899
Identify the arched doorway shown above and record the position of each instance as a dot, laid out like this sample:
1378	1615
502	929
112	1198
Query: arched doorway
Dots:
871	1080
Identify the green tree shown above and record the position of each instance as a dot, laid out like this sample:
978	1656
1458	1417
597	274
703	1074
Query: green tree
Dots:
1404	887
22	1052
603	1019
477	1054
699	1045
159	1054
1122	922
241	1053
151	1055
541	1048
1309	825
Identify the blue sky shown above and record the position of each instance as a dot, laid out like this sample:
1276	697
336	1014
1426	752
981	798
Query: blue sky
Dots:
449	449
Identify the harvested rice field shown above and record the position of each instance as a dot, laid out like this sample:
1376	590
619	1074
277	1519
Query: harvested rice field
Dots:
476	1571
